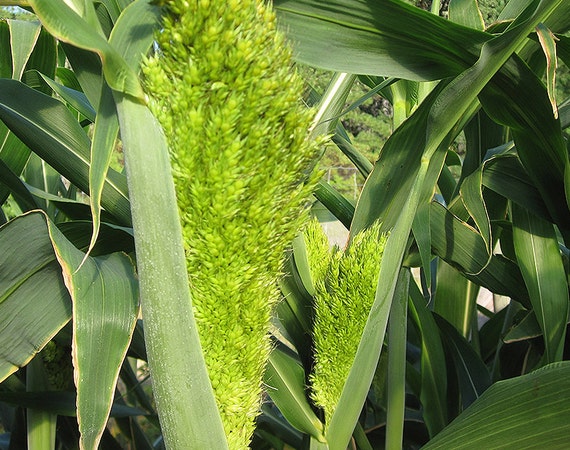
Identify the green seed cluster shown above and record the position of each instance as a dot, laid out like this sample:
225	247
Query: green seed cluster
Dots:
222	87
343	298
318	251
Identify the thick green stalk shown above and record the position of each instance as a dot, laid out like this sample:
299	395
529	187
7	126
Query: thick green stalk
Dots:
41	424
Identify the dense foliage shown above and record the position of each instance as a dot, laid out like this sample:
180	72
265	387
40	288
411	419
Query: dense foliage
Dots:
190	263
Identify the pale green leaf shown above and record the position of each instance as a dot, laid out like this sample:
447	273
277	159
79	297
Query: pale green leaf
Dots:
104	292
188	413
23	37
331	104
466	12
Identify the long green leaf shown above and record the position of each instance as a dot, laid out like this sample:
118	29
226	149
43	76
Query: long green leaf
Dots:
102	147
524	413
188	413
41	425
397	335
385	38
538	256
105	309
433	369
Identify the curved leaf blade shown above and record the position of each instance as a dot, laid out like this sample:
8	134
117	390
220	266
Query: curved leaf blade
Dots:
34	304
500	418
538	256
67	25
285	379
46	126
105	309
384	38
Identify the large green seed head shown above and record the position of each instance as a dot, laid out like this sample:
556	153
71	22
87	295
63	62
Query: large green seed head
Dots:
343	298
222	87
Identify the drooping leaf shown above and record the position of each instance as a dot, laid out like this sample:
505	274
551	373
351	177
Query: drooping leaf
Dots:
34	304
75	98
50	130
377	38
104	291
468	252
66	24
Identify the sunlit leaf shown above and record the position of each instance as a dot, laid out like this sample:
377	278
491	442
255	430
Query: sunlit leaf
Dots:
502	416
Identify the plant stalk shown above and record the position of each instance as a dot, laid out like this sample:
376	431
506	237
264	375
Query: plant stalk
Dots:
397	335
